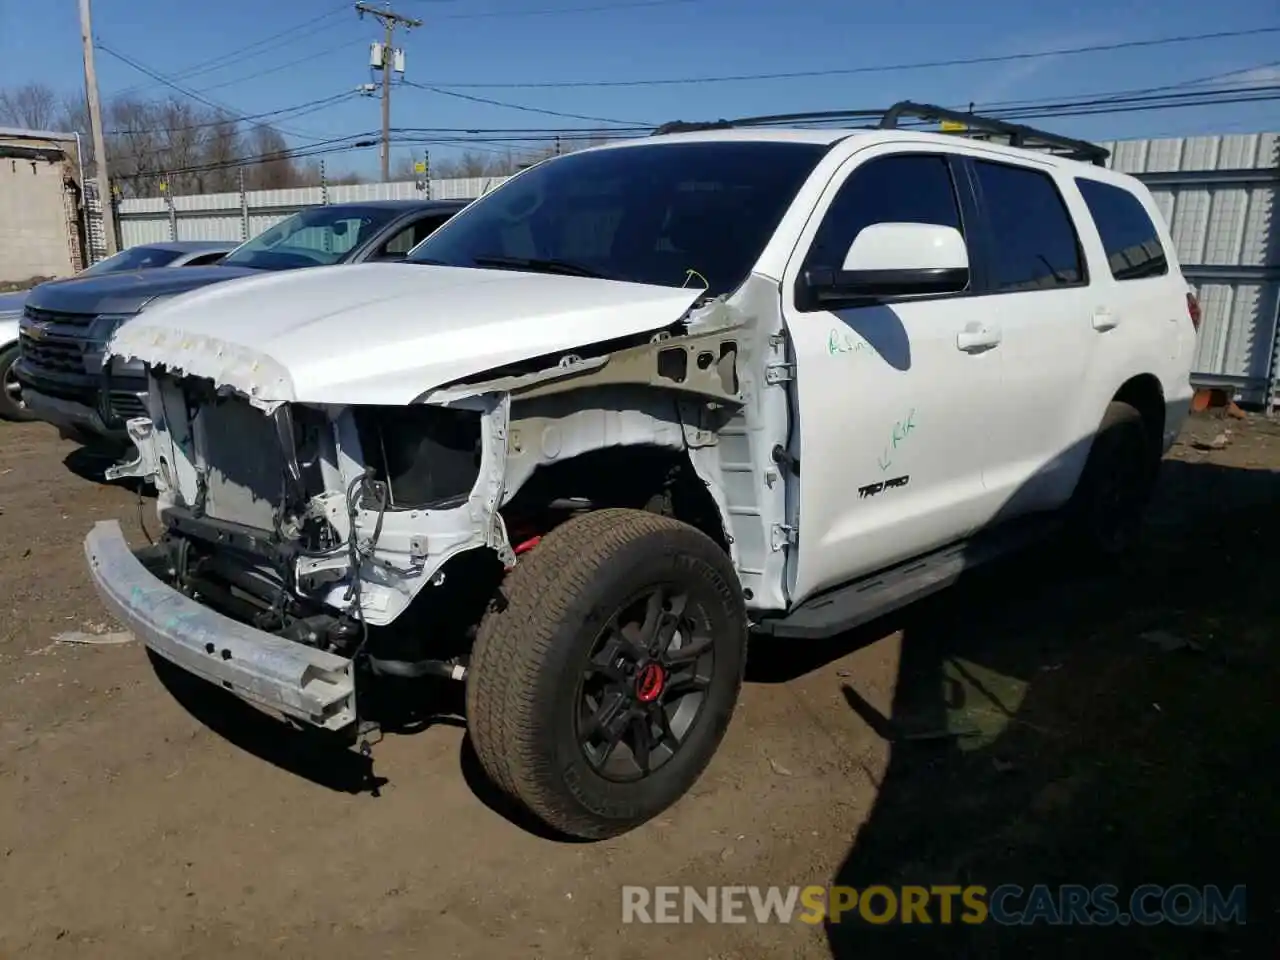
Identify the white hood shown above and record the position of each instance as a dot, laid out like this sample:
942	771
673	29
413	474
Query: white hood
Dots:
385	333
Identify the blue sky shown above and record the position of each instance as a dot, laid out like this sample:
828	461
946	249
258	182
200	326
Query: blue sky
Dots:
523	42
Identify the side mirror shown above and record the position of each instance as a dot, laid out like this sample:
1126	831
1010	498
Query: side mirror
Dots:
891	260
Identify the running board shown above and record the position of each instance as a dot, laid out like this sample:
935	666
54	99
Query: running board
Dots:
863	600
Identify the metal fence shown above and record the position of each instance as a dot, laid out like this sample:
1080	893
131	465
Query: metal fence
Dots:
1218	195
239	216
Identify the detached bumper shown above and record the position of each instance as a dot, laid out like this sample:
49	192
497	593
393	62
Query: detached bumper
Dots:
302	683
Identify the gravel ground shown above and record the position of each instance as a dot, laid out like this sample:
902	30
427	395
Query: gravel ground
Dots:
1033	725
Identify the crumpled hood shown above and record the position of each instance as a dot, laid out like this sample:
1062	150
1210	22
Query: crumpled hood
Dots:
385	332
127	291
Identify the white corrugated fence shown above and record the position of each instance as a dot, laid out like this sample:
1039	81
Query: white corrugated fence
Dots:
1218	195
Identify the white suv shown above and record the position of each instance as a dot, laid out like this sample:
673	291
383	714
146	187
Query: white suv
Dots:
633	404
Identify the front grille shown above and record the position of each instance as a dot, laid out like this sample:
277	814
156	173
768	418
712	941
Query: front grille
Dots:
126	405
56	356
62	319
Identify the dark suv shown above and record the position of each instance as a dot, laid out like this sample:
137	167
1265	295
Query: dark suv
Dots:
67	323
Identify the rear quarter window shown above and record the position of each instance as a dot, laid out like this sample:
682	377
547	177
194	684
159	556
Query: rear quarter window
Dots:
1129	237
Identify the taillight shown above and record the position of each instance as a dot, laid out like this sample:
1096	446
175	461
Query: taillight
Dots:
1193	310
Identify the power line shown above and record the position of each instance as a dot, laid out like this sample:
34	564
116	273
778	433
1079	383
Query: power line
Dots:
1098	104
141	68
282	66
336	145
518	106
880	68
302	109
1181	84
504	14
299	31
503	143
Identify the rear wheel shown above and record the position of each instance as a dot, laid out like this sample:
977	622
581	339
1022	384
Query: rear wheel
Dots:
599	690
1116	485
11	405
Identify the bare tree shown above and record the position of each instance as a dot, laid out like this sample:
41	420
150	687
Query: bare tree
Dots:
223	148
196	149
272	168
32	105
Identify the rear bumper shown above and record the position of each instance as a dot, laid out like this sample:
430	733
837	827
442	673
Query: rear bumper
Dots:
305	684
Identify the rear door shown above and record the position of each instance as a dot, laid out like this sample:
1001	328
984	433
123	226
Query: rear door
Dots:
1040	295
894	414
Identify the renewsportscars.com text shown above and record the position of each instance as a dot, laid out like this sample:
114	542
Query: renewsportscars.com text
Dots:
1007	904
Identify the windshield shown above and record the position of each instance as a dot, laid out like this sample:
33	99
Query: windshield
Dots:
316	237
669	214
135	258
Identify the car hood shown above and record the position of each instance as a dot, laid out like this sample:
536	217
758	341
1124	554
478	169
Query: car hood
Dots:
386	333
128	291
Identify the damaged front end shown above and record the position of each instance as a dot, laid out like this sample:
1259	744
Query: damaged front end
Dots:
290	530
306	540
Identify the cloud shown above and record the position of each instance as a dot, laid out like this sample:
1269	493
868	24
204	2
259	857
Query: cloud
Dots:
1255	76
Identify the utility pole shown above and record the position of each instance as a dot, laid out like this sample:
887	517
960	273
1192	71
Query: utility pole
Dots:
95	126
390	20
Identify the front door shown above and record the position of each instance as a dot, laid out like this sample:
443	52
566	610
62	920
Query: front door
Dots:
895	405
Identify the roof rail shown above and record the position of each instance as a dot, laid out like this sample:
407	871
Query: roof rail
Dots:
965	124
1019	135
683	126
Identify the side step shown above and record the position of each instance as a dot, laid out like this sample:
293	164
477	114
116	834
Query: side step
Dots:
865	599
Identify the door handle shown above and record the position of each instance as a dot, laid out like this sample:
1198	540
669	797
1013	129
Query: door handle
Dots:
1104	320
975	338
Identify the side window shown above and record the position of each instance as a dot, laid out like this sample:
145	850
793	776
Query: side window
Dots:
338	237
411	236
1035	241
1128	236
911	188
204	260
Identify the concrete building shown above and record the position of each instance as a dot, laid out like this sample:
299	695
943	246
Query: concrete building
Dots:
41	233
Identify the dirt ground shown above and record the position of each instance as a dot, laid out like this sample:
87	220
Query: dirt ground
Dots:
1032	725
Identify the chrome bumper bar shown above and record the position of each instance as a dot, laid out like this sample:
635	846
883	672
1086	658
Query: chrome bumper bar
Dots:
303	683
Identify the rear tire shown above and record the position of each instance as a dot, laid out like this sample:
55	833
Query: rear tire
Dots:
11	405
1116	484
618	645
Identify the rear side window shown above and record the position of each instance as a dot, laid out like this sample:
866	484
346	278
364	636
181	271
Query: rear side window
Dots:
205	259
910	188
1036	247
1128	236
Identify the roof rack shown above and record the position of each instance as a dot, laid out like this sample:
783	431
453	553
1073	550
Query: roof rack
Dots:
1019	135
953	121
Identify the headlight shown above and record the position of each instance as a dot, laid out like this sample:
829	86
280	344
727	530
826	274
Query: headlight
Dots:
105	324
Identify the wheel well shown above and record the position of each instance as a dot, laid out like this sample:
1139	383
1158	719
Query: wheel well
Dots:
658	479
1145	395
